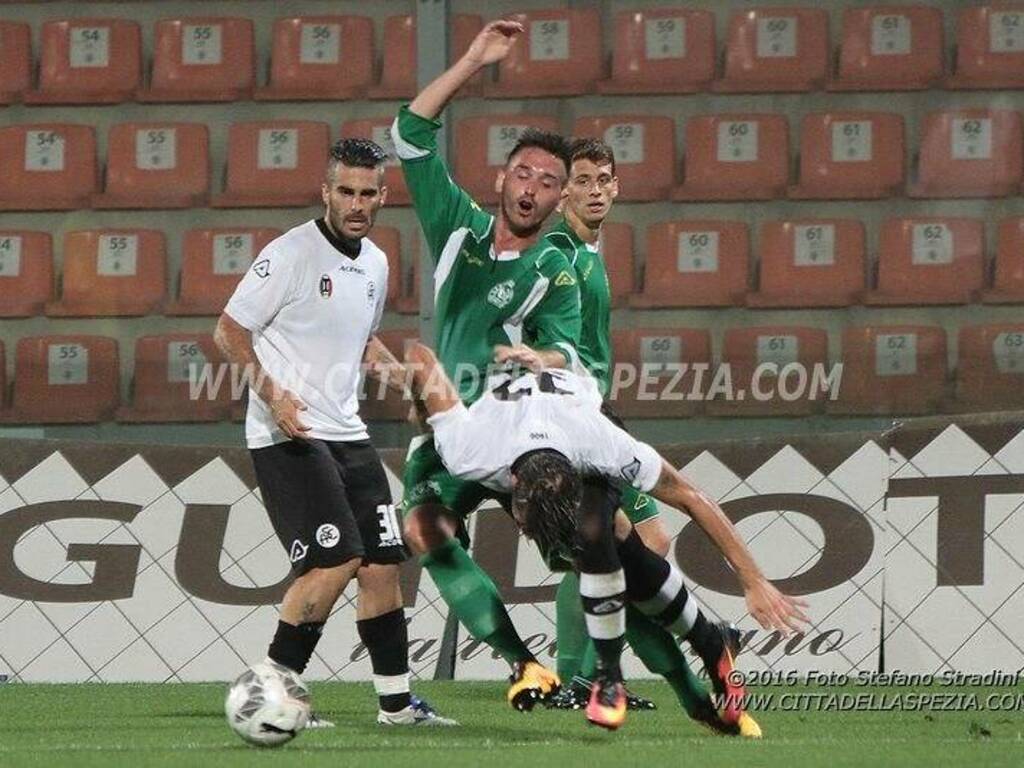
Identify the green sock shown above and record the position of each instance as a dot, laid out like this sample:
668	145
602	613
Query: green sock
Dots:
471	593
570	628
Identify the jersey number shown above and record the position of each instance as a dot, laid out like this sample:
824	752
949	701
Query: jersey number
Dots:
547	382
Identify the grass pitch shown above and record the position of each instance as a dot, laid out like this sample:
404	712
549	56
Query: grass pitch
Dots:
183	725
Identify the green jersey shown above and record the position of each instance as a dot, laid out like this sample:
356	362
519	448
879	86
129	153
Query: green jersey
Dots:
482	298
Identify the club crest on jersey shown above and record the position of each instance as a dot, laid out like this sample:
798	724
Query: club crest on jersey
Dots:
371	292
564	278
501	294
326	286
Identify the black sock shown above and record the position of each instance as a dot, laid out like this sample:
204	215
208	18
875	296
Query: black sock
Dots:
293	645
386	637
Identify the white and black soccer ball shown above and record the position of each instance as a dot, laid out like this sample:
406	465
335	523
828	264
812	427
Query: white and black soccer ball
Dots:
267	705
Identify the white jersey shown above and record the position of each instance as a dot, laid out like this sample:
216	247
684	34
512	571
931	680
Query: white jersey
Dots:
555	409
311	309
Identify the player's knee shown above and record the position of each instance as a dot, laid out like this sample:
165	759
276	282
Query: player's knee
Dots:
654	536
423	531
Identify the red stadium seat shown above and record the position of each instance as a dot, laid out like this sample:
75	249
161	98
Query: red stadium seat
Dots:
112	273
47	167
212	263
65	379
775	371
890	48
1008	282
389	241
15	60
167	367
156	165
484	144
88	61
781	49
970	153
850	156
655	372
695	263
810	263
892	369
26	272
735	157
989	47
645	152
990	367
310	63
378	402
935	260
202	59
663	50
274	164
619	261
559	55
379	130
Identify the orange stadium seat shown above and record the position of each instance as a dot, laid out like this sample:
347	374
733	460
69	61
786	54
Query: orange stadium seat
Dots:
15	60
663	50
274	164
1008	281
989	47
484	143
389	241
112	273
772	370
810	263
890	48
970	153
212	263
655	372
166	368
695	263
379	130
88	61
850	156
783	49
735	157
156	165
560	55
645	152
380	403
47	167
929	260
65	379
892	369
309	63
26	272
202	59
619	260
990	366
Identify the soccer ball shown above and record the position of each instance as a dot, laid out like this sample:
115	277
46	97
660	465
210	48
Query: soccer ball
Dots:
267	705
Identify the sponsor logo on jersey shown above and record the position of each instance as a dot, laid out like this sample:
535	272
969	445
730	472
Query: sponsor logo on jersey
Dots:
476	261
501	294
326	286
327	535
350	268
631	470
564	278
371	292
298	551
262	267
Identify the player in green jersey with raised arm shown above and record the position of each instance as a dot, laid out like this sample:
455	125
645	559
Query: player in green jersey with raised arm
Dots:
496	283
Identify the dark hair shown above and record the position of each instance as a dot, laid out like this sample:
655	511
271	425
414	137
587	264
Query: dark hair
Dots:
547	496
595	150
552	143
356	153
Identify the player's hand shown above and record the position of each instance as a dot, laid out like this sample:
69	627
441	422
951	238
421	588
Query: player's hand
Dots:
494	42
285	410
773	609
520	354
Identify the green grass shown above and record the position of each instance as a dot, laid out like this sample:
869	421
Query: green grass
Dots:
157	725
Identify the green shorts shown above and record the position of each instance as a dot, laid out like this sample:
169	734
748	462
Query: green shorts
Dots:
427	481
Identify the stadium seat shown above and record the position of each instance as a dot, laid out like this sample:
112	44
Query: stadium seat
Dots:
890	48
654	372
782	49
88	61
310	63
274	164
392	406
695	263
202	59
850	156
560	55
112	273
389	241
892	370
156	165
379	130
663	50
970	153
166	368
15	60
989	47
735	157
47	167
810	263
65	379
619	261
1008	281
990	367
398	74
645	152
484	143
212	263
26	272
794	360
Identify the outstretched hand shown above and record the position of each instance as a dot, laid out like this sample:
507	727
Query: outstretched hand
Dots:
519	354
774	610
494	42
